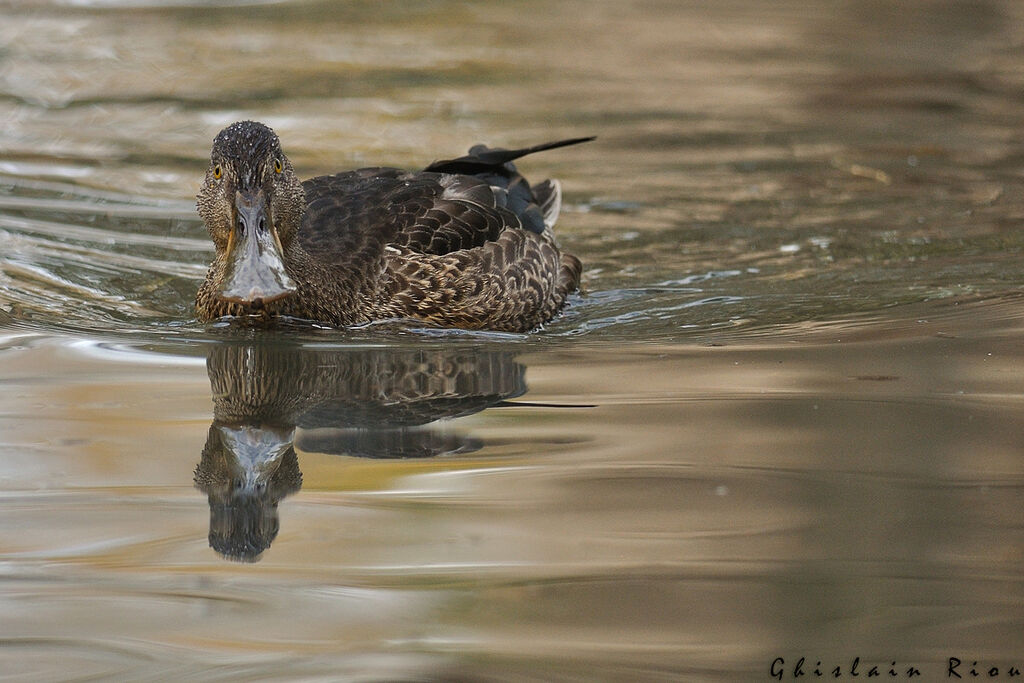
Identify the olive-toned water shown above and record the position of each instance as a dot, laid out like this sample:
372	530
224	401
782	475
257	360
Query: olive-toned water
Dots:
784	419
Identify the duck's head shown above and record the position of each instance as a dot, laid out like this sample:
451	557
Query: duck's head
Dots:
252	203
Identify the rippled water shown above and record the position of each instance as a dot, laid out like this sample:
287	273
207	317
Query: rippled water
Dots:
783	419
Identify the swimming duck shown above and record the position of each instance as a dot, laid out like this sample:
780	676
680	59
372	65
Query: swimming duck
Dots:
466	242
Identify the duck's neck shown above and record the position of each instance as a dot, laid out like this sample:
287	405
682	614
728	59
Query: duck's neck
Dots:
325	292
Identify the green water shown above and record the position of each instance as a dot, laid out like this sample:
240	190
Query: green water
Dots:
783	418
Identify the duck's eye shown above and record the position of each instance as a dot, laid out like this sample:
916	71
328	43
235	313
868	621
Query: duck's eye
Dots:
217	172
277	166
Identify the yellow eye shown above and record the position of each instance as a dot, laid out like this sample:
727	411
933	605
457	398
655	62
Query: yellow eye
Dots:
216	172
277	166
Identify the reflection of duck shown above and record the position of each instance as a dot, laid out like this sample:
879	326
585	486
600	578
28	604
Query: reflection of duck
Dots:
374	403
464	243
245	471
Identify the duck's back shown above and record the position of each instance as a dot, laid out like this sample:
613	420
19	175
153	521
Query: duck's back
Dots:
465	243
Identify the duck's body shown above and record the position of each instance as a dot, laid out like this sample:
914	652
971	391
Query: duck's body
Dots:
464	243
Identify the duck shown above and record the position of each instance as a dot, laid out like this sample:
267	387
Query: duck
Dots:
464	243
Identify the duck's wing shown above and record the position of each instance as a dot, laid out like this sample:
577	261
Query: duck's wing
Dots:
451	205
438	213
455	249
535	208
351	217
346	221
481	194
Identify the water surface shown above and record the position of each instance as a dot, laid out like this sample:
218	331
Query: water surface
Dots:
783	419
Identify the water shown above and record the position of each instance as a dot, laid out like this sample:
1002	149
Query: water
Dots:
783	419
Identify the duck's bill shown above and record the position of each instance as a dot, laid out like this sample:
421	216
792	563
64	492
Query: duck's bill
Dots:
255	272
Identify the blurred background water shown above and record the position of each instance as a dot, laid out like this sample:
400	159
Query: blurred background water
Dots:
781	420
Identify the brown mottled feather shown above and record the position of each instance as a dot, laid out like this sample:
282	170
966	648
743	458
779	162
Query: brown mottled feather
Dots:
470	251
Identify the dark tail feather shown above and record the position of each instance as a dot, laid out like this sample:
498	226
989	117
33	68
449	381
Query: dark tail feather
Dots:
482	159
534	404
